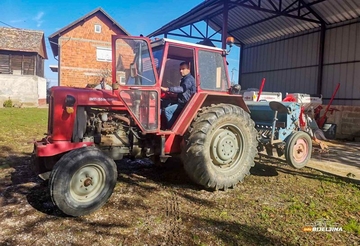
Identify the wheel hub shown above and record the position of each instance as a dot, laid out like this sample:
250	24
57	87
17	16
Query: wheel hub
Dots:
224	147
300	150
87	182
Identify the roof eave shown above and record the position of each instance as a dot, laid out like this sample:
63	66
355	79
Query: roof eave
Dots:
54	45
83	18
45	56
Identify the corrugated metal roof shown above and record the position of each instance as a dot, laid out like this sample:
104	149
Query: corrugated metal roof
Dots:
250	23
334	11
16	39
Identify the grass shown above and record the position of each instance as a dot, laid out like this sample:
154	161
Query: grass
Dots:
162	207
20	126
353	226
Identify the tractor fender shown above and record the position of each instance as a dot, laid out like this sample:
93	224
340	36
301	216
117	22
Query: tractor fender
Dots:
204	99
236	100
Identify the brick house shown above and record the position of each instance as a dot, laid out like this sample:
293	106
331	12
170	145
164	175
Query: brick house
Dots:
83	49
22	56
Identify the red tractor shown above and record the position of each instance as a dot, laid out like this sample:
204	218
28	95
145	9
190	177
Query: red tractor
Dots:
89	129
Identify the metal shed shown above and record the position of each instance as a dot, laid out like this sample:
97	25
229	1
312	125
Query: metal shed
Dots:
304	46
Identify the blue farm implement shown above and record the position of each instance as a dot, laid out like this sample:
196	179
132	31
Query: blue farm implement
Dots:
279	127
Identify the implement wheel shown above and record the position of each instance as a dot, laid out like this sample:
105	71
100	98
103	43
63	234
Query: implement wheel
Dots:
298	149
220	147
82	181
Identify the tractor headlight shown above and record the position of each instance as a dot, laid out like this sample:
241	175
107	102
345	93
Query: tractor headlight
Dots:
69	104
69	110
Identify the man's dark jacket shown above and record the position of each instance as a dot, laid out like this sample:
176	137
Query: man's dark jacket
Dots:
185	90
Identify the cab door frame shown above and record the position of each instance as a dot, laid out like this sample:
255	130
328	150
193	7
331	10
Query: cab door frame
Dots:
144	91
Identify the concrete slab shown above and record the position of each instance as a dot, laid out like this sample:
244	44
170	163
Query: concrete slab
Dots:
342	159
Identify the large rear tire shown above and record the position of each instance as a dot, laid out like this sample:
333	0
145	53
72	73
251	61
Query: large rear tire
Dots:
298	149
82	181
220	147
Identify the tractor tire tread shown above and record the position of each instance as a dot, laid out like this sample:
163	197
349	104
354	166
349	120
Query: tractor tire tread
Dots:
67	166
195	154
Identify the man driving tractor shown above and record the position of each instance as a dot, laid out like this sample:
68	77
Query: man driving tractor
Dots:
173	107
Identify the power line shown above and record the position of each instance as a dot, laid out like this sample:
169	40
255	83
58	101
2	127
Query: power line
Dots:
8	25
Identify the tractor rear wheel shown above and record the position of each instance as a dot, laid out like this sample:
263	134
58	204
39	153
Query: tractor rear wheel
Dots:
220	146
82	181
298	149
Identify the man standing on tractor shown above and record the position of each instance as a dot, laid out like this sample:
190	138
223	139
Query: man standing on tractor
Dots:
184	92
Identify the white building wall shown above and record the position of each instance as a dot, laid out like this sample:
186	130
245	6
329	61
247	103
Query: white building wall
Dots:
42	87
23	90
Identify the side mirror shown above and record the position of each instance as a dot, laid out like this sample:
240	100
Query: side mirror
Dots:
133	70
235	89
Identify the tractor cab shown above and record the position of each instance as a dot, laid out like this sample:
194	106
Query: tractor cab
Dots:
141	67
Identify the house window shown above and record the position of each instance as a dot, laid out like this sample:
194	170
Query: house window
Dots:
103	54
98	28
121	76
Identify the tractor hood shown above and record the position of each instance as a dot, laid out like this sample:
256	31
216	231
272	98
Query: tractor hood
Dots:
65	101
86	96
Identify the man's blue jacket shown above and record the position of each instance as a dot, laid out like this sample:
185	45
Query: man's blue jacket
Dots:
185	90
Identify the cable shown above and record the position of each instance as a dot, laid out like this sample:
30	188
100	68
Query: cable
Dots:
8	25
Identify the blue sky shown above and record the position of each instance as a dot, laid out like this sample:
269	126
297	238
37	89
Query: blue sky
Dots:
137	17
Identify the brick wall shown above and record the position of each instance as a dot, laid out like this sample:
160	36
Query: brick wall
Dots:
78	65
347	120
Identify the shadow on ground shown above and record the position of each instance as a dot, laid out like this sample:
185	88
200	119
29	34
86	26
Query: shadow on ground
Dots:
273	166
15	176
131	172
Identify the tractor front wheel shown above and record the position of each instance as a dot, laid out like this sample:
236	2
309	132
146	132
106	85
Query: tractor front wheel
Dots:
82	181
298	149
220	147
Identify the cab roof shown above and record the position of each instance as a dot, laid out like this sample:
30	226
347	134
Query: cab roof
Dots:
162	41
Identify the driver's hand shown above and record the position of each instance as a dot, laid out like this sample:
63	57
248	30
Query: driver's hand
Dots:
164	89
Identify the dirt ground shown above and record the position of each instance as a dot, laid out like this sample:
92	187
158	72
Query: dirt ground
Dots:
160	206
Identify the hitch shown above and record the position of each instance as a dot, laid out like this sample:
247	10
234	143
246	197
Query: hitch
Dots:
163	156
